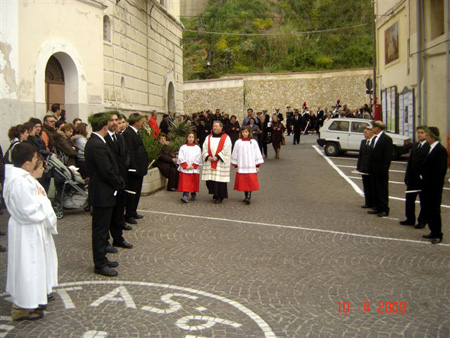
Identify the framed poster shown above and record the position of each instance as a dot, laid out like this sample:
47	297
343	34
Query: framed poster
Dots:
384	105
389	106
391	124
391	52
406	113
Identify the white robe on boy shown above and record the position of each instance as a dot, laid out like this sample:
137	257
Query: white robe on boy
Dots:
32	261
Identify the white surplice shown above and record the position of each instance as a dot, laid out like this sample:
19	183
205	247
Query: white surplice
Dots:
246	155
222	172
32	261
190	155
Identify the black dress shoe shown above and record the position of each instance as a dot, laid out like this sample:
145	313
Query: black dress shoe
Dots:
123	244
383	214
112	264
110	249
126	227
218	200
130	220
373	212
428	236
172	189
106	271
406	222
420	226
50	297
365	206
436	240
138	216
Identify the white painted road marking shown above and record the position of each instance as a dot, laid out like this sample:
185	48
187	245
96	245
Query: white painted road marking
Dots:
340	172
282	226
354	186
352	166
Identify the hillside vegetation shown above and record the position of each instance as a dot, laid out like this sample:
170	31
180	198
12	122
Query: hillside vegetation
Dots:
282	47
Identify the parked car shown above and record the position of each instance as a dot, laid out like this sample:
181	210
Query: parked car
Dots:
345	134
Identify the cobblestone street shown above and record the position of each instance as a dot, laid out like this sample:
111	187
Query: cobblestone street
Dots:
302	260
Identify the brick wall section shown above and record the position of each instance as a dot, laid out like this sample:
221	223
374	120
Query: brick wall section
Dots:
270	91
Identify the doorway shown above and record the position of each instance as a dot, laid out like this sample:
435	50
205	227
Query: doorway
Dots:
54	84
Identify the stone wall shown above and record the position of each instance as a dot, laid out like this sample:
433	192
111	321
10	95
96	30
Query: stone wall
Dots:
192	7
227	95
270	91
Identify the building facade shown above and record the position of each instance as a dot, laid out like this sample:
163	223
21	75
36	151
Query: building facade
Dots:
412	45
89	56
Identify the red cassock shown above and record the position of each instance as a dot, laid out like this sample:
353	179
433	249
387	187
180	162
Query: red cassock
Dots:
188	182
246	182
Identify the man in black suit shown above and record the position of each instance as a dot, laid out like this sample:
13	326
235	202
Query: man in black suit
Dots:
278	114
419	152
117	144
289	116
104	185
297	123
363	166
433	175
380	161
138	166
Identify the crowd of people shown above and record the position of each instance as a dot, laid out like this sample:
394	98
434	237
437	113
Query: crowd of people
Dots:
113	160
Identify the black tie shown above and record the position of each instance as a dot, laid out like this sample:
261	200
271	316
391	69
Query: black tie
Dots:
114	138
419	146
373	142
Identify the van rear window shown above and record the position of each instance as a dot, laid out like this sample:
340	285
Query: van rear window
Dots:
339	125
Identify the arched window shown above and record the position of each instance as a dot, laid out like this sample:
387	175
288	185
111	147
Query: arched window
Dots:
106	29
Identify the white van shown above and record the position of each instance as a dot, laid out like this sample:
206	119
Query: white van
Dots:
345	134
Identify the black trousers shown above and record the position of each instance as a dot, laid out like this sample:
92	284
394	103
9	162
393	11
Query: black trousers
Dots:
297	134
117	219
380	185
173	178
217	189
264	148
132	200
432	208
368	191
101	220
410	206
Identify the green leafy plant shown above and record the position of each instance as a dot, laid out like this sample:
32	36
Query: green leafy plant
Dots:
152	146
280	48
177	134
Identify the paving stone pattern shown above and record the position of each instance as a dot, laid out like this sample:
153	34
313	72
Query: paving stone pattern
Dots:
276	268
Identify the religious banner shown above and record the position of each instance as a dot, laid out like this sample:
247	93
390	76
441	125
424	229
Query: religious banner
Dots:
391	52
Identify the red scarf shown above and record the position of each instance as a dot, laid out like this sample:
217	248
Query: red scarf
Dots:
219	148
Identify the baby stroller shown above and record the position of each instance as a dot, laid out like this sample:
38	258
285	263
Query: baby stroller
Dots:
71	190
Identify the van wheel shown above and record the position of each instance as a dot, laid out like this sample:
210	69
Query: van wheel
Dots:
395	154
331	149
